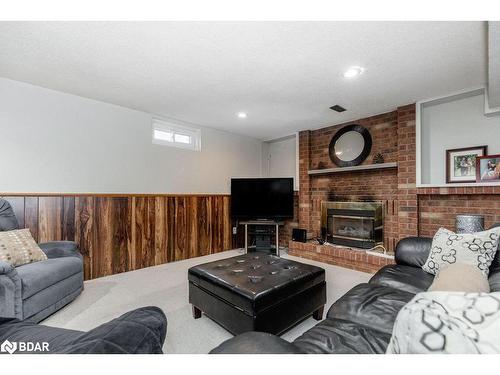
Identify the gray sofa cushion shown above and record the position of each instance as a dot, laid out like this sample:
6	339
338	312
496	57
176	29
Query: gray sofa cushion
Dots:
41	275
139	331
10	291
55	295
8	220
60	249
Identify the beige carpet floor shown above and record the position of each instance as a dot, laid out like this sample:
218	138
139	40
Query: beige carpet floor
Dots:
166	286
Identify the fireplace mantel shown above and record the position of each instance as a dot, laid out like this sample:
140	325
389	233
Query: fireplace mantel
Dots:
365	167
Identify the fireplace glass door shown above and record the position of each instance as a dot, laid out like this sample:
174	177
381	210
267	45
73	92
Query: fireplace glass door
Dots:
353	224
355	228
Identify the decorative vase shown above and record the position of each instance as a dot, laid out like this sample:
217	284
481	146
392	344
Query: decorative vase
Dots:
469	223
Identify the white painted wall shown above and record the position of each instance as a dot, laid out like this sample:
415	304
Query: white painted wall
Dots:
279	158
56	142
454	124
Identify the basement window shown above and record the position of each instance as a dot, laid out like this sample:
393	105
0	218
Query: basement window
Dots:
182	136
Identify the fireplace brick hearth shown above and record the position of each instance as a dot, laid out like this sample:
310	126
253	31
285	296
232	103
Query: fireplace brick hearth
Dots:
408	210
339	256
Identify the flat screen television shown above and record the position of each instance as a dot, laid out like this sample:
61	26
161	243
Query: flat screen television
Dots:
262	198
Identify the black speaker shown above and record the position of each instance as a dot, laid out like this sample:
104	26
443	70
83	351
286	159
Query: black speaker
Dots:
299	235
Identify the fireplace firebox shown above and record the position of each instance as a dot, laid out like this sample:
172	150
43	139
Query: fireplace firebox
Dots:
353	224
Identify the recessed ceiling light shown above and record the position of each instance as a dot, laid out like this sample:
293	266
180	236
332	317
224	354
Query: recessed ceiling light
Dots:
353	71
242	115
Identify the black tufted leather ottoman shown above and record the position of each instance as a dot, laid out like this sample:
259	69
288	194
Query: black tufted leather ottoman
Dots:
255	292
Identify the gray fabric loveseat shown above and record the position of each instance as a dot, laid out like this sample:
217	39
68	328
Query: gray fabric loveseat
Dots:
36	290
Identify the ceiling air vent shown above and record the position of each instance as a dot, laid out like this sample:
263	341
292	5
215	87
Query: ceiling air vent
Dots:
337	108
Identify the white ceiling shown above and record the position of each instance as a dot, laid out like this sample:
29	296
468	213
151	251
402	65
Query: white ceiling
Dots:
285	75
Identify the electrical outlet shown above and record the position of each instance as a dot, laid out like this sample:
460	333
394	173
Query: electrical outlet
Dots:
234	230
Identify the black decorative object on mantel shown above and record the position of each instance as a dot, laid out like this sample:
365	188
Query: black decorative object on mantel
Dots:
378	158
350	146
469	223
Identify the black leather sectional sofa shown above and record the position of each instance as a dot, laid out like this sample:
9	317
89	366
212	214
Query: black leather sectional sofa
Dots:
361	321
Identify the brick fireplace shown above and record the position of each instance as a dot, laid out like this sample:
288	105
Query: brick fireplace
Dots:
357	224
408	211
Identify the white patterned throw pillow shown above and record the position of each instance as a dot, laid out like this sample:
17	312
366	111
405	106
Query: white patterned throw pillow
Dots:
476	249
448	323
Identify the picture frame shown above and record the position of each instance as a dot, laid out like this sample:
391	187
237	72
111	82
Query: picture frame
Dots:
461	164
488	168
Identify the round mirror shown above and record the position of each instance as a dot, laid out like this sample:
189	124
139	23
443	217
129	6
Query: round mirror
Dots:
350	146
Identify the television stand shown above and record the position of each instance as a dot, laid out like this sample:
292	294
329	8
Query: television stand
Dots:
265	223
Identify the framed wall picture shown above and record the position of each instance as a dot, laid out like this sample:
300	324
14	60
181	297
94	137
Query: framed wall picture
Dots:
461	163
488	168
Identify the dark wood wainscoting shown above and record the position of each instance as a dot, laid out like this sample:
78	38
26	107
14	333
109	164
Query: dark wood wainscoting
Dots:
119	233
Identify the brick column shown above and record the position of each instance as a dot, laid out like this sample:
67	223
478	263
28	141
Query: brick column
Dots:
407	191
304	180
